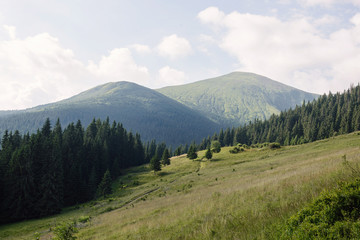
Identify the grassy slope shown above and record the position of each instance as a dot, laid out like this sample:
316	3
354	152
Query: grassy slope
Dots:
237	97
240	196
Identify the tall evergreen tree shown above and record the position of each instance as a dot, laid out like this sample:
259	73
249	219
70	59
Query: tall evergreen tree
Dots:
104	188
208	154
155	163
165	159
192	152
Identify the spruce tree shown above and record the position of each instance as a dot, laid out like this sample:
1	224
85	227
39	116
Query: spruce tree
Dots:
192	152
155	163
165	159
208	154
104	188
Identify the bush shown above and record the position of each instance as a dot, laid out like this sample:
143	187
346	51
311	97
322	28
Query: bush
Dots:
84	219
246	146
274	145
236	150
65	231
333	215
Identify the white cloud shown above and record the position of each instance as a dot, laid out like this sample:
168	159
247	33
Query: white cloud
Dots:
205	42
326	20
294	51
37	70
355	19
174	47
211	15
11	31
168	76
327	3
119	65
141	48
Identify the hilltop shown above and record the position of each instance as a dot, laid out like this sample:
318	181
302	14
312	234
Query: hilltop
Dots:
238	97
139	109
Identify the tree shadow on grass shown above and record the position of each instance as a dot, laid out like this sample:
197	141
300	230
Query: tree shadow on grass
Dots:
162	174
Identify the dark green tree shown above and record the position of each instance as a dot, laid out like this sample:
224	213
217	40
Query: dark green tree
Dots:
192	152
177	151
155	163
165	159
215	146
208	154
104	188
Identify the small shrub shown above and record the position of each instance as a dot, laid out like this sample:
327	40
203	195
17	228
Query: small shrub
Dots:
84	219
237	150
65	231
246	146
274	145
37	235
234	150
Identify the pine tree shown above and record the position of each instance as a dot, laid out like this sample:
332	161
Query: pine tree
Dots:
192	152
104	188
177	151
208	154
165	159
155	163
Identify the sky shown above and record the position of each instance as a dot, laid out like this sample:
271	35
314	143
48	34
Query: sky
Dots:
53	49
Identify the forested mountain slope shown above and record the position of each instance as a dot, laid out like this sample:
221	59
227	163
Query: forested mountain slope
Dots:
327	116
238	97
139	109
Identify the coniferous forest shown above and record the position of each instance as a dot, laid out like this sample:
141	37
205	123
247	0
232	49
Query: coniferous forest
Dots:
327	116
53	168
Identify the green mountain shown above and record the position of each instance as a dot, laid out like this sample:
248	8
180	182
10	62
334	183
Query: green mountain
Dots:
140	109
238	97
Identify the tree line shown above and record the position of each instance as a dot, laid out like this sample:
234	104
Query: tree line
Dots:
327	116
54	167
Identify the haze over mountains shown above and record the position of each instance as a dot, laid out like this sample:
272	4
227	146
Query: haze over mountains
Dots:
175	115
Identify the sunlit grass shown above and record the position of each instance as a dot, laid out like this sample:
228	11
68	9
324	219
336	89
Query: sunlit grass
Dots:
233	196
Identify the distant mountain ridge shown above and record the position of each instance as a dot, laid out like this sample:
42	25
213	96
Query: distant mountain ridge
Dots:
139	109
175	115
238	97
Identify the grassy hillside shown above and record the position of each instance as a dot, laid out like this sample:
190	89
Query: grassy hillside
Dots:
238	97
233	196
140	109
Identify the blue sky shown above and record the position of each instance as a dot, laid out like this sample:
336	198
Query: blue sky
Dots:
51	50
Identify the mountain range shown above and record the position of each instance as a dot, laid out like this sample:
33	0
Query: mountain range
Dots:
175	115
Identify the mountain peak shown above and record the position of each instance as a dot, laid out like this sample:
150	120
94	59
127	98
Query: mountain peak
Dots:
238	97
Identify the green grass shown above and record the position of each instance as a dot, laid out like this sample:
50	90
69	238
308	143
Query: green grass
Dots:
233	196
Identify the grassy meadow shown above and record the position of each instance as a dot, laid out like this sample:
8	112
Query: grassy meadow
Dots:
247	195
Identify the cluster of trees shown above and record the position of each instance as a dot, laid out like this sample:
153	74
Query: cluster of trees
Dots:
156	162
53	168
327	116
